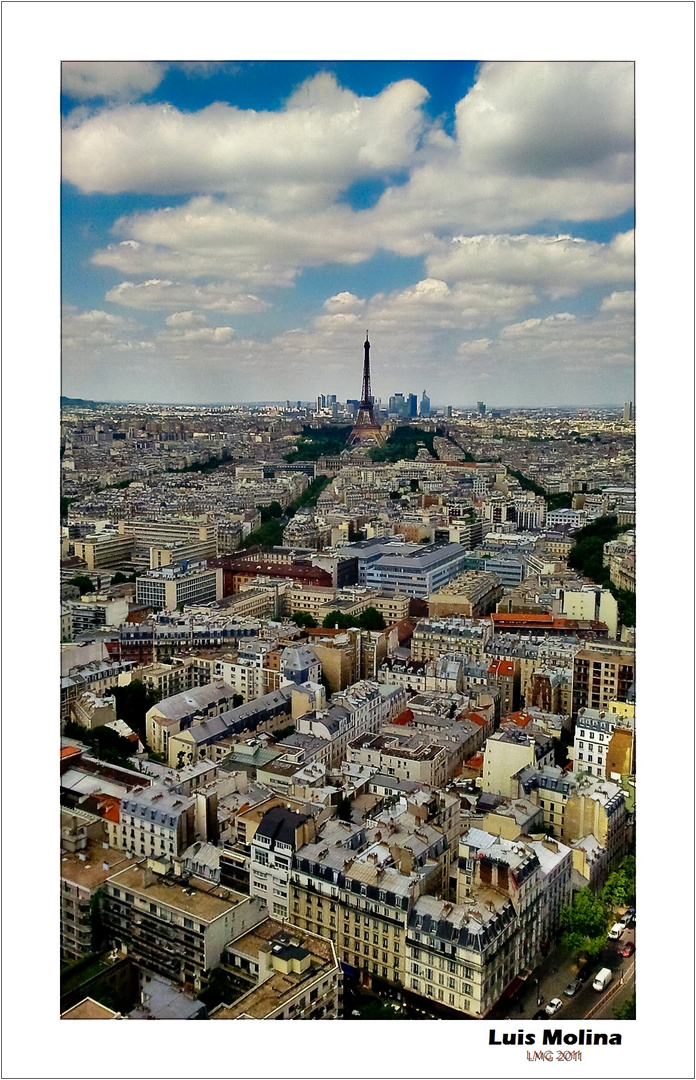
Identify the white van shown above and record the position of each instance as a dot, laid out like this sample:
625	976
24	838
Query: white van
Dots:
602	979
616	931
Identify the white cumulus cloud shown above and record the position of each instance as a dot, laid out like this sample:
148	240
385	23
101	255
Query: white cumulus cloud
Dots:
113	80
162	295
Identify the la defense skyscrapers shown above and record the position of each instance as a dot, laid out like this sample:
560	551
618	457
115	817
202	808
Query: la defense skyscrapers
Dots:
366	431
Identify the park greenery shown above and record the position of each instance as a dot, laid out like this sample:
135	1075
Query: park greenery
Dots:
404	443
587	557
315	443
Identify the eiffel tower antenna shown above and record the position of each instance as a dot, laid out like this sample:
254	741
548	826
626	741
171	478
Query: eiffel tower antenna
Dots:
366	429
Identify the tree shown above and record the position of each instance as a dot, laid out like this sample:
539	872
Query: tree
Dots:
237	700
303	618
283	733
132	704
379	1010
627	1011
339	619
83	583
584	923
371	619
119	578
104	743
345	809
273	510
620	886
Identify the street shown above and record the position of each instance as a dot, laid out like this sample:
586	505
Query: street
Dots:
558	970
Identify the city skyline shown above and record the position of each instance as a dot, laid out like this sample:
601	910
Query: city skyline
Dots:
461	212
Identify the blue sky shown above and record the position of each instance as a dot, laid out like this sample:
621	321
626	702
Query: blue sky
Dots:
230	231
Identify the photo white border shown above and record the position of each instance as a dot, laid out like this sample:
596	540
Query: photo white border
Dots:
36	37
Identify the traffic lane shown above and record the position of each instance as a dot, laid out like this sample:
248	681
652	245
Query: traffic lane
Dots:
618	991
579	1006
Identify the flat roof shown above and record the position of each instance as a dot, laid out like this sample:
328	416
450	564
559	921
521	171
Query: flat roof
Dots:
92	871
89	1009
208	902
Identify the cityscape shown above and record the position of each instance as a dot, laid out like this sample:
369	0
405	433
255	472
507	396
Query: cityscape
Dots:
348	554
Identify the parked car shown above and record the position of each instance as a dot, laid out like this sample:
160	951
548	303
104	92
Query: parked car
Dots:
616	931
553	1006
585	971
572	988
541	1015
628	916
628	949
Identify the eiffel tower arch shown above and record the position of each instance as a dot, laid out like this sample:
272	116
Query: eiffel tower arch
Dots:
366	431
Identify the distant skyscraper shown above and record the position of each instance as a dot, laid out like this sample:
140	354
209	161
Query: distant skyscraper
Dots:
413	405
480	408
628	411
425	405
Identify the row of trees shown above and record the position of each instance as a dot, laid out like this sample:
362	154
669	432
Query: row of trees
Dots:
560	500
585	922
274	519
369	619
587	557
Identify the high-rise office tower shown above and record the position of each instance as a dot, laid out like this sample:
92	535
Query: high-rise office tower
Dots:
628	411
425	405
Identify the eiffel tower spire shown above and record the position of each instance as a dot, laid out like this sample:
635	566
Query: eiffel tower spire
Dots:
366	429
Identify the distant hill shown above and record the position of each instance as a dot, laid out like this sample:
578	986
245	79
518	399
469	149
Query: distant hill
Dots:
85	404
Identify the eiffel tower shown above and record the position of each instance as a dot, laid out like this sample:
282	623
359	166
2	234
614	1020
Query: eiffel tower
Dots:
366	431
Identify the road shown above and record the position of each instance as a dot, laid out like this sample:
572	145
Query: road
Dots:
558	970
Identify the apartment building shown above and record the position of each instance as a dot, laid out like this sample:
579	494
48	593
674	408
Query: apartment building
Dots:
600	677
279	833
593	735
267	713
470	594
292	975
504	676
352	890
176	927
105	549
409	757
594	604
82	877
510	750
178	713
432	638
360	710
172	586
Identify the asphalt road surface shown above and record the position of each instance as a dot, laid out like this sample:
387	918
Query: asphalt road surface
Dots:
558	970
